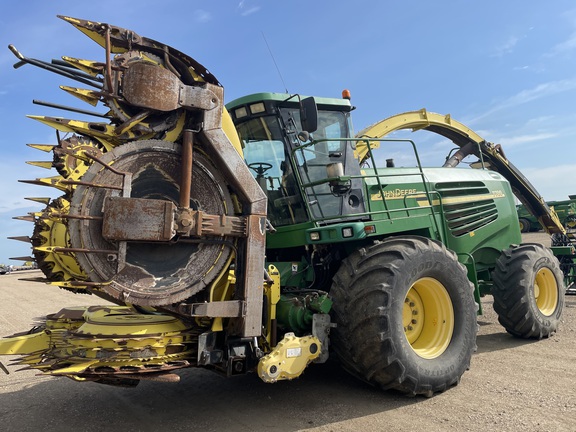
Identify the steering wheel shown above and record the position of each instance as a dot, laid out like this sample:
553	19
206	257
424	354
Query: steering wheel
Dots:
260	167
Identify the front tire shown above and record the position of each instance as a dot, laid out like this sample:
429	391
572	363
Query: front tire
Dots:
528	291
405	315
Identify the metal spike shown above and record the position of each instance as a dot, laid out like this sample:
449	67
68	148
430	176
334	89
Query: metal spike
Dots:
25	218
58	249
89	96
44	147
36	279
90	67
46	249
75	285
67	108
24	239
95	31
56	182
24	258
74	69
55	122
54	68
34	182
47	181
41	164
41	200
98	130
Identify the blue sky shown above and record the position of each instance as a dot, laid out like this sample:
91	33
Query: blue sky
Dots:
504	68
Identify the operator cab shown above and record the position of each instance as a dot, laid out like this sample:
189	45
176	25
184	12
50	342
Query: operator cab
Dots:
299	151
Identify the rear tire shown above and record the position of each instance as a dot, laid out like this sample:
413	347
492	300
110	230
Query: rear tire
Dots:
405	316
528	291
570	222
524	225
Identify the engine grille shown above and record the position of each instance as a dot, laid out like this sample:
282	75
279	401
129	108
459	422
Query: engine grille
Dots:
468	206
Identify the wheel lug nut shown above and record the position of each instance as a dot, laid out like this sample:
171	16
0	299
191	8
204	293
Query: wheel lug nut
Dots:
411	304
414	321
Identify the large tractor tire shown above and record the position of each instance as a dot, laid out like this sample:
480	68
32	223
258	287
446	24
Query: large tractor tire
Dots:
570	222
405	316
524	225
528	291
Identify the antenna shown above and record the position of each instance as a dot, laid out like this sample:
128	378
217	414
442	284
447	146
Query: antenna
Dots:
274	60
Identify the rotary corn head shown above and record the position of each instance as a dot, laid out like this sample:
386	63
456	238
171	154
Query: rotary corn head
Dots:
156	207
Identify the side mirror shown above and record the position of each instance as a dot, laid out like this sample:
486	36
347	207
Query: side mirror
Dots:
308	114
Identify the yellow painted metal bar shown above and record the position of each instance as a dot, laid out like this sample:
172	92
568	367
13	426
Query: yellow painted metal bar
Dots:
103	131
414	120
422	119
42	147
94	30
272	291
41	164
89	96
90	67
25	344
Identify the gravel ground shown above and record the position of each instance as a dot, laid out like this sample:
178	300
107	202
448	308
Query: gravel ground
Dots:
512	385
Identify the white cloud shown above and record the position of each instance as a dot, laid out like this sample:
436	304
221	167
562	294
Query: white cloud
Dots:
540	91
247	9
540	121
551	182
527	138
507	47
202	16
564	47
250	11
569	44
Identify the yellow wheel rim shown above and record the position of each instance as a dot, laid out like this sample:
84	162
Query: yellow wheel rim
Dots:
428	318
546	291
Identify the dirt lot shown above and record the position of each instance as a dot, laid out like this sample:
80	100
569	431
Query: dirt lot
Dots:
512	385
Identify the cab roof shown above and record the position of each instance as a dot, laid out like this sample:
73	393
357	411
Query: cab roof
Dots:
288	99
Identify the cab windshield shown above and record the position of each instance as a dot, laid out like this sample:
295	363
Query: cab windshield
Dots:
325	147
268	143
